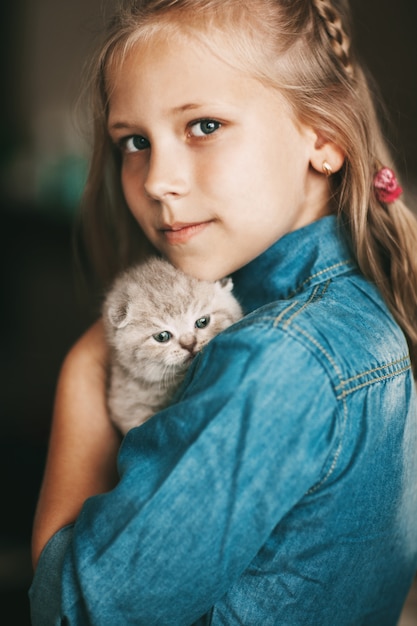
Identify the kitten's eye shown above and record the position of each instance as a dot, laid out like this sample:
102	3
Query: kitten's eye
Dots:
163	336
202	322
135	143
204	127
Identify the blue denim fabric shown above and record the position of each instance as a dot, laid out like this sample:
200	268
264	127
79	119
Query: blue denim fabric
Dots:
280	488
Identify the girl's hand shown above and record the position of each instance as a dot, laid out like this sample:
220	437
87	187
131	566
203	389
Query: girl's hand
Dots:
83	444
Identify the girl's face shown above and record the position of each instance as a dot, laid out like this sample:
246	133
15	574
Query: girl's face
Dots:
215	169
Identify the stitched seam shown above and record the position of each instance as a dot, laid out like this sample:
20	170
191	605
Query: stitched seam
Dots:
281	315
374	380
302	307
323	351
306	304
372	371
320	273
345	411
337	453
342	397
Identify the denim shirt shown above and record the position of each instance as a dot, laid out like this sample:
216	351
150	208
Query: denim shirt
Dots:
280	487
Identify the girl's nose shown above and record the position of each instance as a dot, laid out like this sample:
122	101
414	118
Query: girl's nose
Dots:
167	174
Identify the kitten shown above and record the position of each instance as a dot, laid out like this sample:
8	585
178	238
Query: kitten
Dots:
156	320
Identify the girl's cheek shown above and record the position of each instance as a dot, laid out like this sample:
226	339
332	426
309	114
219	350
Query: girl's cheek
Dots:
132	180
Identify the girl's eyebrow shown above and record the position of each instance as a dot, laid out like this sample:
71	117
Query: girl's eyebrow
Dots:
119	126
223	105
122	125
190	107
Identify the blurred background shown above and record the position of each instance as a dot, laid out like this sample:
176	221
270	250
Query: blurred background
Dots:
43	160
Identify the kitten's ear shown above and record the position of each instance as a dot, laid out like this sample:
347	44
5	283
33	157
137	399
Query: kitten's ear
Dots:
226	283
118	314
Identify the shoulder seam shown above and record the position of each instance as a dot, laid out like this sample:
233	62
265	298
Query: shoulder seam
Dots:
317	293
336	266
383	372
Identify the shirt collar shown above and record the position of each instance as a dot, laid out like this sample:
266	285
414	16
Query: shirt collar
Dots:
301	258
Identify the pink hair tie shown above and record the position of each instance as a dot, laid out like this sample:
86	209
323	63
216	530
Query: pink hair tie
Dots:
387	188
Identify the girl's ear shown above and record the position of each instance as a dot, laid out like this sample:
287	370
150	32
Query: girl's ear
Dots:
327	157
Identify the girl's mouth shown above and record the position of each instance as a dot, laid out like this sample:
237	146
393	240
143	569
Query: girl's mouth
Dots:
181	233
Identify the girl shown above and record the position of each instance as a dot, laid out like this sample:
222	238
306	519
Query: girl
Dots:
280	487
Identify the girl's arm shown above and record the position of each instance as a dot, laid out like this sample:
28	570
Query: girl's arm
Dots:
197	495
83	445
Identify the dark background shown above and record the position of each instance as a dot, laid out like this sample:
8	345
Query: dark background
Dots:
43	160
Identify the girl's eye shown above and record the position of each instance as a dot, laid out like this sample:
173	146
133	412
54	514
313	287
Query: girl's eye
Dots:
204	127
202	322
163	336
135	143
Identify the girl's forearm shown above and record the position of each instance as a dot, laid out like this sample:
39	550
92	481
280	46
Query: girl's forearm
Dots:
83	444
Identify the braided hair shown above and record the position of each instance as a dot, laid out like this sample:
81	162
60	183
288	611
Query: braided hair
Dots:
339	39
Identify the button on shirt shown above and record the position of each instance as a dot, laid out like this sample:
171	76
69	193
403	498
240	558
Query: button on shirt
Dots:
280	487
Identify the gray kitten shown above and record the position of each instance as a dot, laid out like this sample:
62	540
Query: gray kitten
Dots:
157	319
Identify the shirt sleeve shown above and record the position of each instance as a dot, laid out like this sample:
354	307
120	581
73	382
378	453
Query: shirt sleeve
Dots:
202	485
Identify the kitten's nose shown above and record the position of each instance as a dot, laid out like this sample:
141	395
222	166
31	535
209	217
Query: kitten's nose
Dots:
188	342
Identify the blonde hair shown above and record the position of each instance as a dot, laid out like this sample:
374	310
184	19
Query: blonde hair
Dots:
303	48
